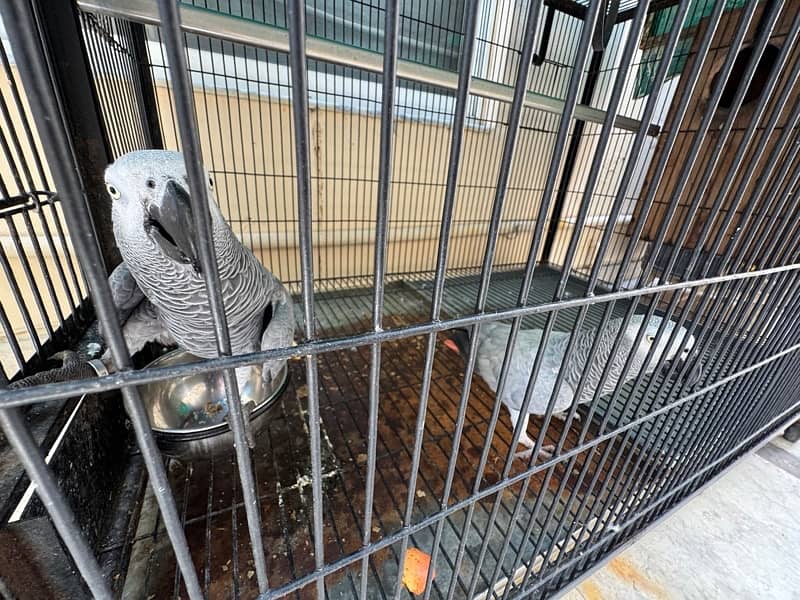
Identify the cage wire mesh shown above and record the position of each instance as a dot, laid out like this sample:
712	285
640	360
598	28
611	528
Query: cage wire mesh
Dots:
589	175
42	289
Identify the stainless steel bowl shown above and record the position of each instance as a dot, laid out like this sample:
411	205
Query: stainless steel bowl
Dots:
188	414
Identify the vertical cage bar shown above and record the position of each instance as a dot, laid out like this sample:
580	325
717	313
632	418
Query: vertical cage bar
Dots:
149	103
22	256
298	68
29	138
66	54
11	339
48	280
571	157
391	27
5	266
453	166
187	123
509	147
15	141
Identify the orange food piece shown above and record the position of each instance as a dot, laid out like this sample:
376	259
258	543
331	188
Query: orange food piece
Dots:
415	570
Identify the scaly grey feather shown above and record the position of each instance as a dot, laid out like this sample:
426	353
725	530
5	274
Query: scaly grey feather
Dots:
144	326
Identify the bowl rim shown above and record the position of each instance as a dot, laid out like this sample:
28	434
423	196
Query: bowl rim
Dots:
203	432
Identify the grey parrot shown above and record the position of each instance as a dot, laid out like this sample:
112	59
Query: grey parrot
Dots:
492	346
159	290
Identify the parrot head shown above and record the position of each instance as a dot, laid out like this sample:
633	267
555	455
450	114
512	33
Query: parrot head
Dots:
680	350
151	207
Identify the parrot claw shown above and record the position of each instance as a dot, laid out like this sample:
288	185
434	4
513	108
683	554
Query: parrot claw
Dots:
562	416
545	453
65	357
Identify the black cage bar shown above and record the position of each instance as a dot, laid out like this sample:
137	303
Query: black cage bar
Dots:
436	184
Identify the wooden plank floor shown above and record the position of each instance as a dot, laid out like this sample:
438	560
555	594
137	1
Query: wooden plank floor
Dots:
209	497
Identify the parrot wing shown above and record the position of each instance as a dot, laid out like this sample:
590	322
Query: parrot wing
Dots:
138	316
143	326
125	291
279	328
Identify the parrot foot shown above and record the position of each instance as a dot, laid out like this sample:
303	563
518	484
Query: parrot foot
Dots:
562	416
524	439
545	452
65	357
72	367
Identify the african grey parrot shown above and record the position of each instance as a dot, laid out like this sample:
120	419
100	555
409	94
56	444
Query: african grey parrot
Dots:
159	287
492	346
159	290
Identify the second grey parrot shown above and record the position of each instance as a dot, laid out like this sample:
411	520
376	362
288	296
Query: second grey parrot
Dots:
492	347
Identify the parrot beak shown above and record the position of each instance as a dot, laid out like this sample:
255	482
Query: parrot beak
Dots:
458	341
171	225
452	345
691	378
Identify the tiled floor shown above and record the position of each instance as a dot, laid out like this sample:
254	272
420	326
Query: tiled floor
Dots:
738	539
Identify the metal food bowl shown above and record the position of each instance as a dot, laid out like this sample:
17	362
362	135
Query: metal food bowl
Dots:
188	415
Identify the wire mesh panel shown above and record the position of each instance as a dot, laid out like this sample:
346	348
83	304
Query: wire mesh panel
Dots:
542	257
241	93
42	286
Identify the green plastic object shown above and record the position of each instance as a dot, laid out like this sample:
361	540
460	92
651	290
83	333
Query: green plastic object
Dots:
661	24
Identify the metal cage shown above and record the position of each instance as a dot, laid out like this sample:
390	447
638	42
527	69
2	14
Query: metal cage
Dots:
406	169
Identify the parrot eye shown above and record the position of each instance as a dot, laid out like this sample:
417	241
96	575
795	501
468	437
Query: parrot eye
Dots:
211	183
151	183
651	339
113	192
